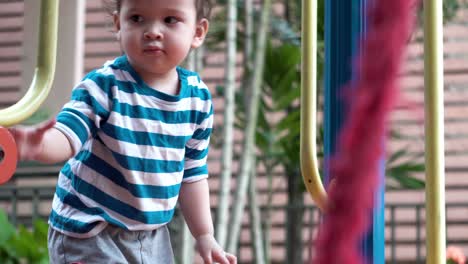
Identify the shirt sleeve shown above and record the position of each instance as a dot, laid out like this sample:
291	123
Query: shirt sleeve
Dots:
196	150
80	118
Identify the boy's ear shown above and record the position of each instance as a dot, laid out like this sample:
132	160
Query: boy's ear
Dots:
200	33
115	17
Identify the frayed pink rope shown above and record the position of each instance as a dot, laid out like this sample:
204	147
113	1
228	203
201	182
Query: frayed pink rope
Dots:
355	166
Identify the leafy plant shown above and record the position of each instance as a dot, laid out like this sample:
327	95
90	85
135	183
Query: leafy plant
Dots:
401	166
450	9
21	245
278	128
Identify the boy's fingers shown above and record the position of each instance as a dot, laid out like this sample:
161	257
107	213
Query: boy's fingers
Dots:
231	258
41	128
13	131
17	132
220	257
207	258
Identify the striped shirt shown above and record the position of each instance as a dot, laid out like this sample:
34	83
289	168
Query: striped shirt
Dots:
133	148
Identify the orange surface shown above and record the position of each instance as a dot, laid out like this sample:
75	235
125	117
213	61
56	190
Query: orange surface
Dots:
10	155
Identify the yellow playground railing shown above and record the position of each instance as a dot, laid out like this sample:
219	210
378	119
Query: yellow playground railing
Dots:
38	90
44	71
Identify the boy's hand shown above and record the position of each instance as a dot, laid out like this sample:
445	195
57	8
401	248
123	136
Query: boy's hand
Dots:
211	251
29	139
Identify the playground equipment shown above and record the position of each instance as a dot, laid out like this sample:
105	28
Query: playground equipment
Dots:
38	90
435	207
434	131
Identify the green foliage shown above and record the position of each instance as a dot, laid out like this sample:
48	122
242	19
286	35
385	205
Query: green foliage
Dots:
279	129
401	168
279	137
283	29
450	10
22	245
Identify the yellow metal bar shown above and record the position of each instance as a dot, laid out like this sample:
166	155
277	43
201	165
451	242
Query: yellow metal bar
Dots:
309	164
434	131
45	68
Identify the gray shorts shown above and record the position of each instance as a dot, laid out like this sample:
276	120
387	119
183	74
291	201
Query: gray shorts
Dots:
112	245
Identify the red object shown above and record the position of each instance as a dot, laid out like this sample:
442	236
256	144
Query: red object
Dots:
8	155
355	166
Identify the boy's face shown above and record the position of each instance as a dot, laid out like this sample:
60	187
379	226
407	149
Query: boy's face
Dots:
157	35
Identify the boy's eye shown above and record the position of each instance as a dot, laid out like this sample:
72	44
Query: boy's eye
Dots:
171	20
136	18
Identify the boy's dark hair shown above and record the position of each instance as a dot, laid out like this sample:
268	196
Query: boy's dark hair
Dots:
203	7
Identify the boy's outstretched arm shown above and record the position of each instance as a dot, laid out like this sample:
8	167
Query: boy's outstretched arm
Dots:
195	205
41	143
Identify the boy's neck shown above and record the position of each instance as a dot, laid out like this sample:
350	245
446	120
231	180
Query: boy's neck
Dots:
166	83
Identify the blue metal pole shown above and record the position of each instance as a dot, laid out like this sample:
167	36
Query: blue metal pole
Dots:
345	24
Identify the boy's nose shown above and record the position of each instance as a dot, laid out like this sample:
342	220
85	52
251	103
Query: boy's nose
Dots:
153	33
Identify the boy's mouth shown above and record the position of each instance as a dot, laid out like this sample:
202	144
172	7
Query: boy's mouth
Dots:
152	50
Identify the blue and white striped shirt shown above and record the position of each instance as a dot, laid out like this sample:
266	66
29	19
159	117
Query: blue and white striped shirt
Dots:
133	146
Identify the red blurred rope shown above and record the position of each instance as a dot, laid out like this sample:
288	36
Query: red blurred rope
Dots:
355	166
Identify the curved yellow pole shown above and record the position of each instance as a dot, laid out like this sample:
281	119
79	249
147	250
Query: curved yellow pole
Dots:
434	131
44	72
309	164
